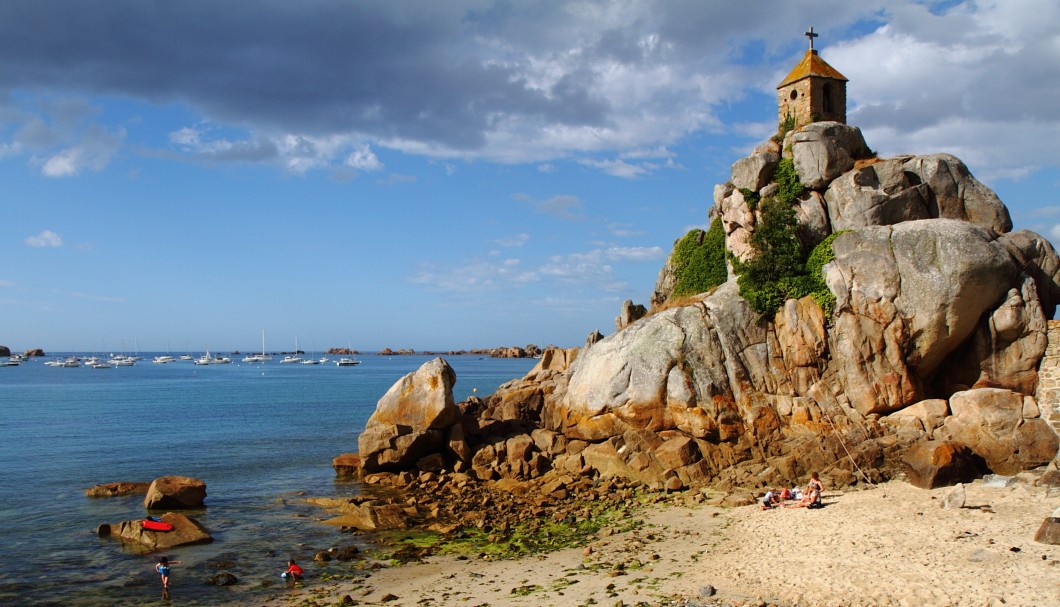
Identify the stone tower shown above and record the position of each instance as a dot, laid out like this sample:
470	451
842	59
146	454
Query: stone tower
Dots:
813	91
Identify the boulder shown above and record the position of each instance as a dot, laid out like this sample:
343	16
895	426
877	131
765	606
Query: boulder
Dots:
223	578
990	422
175	493
371	517
1049	531
5	351
1038	258
907	296
186	531
117	489
629	314
823	151
411	420
955	194
955	499
925	415
755	171
932	464
874	195
347	465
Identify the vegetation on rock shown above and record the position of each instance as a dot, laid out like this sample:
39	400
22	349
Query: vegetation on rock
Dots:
778	269
699	261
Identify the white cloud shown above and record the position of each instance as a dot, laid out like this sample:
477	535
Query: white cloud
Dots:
93	152
46	238
363	159
1054	232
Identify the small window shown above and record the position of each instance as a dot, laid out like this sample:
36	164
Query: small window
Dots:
827	94
794	94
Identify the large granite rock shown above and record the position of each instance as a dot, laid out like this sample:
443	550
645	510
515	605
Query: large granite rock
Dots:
956	194
933	464
755	171
411	420
186	531
823	151
906	297
175	493
990	422
117	489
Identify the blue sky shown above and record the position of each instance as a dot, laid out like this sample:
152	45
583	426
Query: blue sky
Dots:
431	175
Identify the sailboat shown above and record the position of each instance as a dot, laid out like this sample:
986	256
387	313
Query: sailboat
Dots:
257	358
292	358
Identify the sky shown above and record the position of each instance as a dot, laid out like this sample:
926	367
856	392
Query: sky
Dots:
182	176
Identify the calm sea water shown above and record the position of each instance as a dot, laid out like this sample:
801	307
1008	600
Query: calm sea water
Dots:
259	435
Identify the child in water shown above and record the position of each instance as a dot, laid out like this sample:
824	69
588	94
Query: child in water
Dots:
294	572
163	570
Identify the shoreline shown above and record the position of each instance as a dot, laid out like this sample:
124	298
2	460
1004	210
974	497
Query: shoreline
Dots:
883	546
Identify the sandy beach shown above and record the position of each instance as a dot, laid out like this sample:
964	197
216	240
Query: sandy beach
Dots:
892	545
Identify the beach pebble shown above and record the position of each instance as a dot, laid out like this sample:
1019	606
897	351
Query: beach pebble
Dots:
707	591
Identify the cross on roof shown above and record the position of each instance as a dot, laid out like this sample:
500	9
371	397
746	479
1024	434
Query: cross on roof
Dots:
811	35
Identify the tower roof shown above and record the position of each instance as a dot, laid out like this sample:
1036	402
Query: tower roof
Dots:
812	65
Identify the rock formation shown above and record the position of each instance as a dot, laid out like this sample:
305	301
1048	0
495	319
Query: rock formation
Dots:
5	351
117	489
175	492
186	531
936	334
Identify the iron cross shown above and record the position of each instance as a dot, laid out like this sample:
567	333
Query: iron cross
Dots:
811	35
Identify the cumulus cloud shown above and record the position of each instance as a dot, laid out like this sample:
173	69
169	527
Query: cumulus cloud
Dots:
329	83
46	238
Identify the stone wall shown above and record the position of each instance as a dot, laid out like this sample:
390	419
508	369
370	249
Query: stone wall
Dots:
1048	393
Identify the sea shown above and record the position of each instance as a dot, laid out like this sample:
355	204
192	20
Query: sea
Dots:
262	437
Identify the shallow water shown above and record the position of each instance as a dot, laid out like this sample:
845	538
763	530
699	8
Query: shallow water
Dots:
259	435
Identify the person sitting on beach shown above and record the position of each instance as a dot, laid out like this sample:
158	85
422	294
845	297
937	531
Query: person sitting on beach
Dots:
770	499
811	498
815	482
294	572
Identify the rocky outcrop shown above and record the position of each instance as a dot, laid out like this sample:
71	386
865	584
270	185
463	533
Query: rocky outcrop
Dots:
823	151
412	419
1002	427
33	352
175	493
629	314
347	465
186	531
117	489
5	351
937	332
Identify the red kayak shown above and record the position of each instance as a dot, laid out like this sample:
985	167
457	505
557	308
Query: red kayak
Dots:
155	525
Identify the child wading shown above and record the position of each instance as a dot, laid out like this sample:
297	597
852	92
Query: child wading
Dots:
163	570
294	572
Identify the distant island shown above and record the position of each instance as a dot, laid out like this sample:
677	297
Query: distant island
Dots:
528	351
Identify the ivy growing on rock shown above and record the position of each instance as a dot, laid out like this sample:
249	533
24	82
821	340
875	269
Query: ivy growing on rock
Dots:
699	261
779	269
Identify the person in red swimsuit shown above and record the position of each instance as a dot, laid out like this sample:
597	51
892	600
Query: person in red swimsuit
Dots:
294	572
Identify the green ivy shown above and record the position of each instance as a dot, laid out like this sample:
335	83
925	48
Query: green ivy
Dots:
751	197
788	124
699	261
789	188
779	269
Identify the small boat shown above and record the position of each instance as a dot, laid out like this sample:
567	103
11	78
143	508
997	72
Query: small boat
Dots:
347	362
99	364
163	360
220	360
11	362
310	361
257	358
204	359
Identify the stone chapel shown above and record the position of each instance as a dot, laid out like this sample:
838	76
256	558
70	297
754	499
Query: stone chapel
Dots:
814	91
